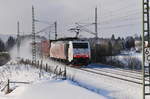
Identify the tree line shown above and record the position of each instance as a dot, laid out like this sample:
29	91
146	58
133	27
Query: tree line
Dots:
113	46
6	46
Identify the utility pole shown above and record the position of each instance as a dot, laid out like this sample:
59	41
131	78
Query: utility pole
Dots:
49	35
146	50
18	39
96	32
55	23
33	37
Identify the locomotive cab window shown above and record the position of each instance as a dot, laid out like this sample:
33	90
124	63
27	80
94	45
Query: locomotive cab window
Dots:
80	45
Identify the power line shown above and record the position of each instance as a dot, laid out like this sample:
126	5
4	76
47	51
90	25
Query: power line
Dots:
44	29
96	31
55	23
118	26
123	16
120	20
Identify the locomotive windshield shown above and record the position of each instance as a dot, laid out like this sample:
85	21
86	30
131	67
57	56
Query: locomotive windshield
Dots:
80	45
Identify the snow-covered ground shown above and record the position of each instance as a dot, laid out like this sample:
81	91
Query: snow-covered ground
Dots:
110	88
107	86
52	89
45	87
127	59
84	85
129	56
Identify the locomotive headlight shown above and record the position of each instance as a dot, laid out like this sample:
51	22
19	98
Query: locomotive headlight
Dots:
81	56
87	55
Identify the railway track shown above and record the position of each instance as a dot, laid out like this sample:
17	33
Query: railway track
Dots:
120	77
139	77
132	72
123	69
114	70
117	73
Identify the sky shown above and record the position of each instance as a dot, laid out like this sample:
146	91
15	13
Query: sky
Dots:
119	17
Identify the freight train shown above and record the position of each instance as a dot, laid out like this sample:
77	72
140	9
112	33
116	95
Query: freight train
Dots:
72	51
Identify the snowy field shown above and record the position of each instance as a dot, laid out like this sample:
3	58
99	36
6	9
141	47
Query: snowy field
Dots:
108	87
46	87
52	89
84	85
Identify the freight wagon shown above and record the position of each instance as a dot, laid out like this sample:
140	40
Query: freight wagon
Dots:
43	48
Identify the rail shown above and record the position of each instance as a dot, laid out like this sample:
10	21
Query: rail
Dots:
100	73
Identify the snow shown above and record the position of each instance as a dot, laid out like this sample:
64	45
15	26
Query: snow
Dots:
45	87
20	72
115	74
108	87
54	89
127	54
25	48
126	58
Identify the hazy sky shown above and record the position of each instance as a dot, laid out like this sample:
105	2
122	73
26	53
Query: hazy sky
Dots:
120	17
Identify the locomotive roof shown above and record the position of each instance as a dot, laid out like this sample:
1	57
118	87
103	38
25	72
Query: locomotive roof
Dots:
67	39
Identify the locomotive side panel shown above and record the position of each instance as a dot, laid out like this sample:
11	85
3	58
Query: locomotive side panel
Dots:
58	50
